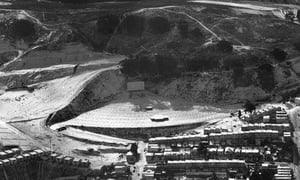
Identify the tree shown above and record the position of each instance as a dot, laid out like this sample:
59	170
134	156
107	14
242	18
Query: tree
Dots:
265	76
297	43
159	25
249	106
107	24
183	27
196	32
279	54
134	148
167	66
133	25
22	28
224	46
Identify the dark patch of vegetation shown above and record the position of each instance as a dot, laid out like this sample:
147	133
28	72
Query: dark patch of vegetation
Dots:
196	32
279	54
22	28
7	56
237	75
297	43
150	68
133	25
232	62
183	27
84	1
224	46
167	66
107	24
159	25
203	62
249	106
266	77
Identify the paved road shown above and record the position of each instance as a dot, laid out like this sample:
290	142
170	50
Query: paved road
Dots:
294	115
138	168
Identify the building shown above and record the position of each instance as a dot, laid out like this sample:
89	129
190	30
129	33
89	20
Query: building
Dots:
204	168
297	101
245	153
244	138
135	86
181	141
207	131
284	172
284	127
282	117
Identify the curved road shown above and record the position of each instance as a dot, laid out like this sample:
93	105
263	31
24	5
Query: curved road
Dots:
294	115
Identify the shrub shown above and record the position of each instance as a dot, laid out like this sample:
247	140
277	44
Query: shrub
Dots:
130	67
147	66
183	27
107	24
203	62
21	29
167	66
266	77
196	32
133	25
279	54
238	72
297	44
159	25
224	46
232	62
249	106
163	66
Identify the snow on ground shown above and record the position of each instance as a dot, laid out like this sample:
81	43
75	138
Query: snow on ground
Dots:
128	113
47	97
72	53
85	135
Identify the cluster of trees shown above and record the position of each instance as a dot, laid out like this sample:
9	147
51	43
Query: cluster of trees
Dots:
279	54
107	24
249	106
185	32
297	43
133	25
157	66
224	46
159	25
20	29
203	62
183	27
266	77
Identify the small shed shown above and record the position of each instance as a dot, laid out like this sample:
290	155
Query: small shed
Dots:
136	86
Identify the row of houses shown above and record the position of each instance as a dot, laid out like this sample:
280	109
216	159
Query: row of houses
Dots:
53	157
245	153
245	138
222	169
281	128
180	141
284	172
9	153
271	114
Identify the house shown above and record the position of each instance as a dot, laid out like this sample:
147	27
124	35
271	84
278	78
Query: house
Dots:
282	117
135	86
297	101
219	167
